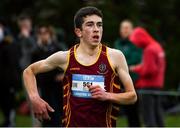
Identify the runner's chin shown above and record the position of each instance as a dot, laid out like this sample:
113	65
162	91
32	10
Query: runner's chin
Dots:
95	41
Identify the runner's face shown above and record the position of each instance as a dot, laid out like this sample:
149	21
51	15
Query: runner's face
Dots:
92	29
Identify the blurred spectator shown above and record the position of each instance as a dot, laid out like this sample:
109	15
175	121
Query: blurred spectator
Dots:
9	77
26	43
60	37
49	83
26	40
151	76
133	56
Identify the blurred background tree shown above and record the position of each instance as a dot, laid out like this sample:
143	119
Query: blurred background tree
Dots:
160	18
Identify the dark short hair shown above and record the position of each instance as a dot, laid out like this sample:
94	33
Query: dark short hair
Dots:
49	29
83	12
23	17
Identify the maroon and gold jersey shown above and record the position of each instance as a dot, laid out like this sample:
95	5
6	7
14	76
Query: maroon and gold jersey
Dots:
80	110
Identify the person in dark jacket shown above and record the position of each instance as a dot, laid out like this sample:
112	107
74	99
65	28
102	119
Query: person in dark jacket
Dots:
9	77
26	40
133	56
49	83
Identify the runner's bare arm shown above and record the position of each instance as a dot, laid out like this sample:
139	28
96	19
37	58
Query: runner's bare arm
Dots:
39	106
119	64
56	60
129	96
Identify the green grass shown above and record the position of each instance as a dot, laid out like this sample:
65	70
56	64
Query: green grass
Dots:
173	121
122	122
170	121
23	121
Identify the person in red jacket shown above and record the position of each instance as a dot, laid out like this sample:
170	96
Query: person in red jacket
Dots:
151	75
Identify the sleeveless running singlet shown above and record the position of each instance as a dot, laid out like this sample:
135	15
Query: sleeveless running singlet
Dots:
79	109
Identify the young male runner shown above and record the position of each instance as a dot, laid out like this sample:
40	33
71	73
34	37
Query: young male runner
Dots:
91	74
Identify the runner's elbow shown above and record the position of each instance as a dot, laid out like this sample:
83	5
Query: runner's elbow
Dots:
26	72
133	98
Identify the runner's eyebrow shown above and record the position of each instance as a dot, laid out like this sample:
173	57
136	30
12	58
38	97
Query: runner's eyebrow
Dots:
91	22
88	22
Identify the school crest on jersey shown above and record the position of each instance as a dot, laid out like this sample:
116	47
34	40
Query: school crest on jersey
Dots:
102	69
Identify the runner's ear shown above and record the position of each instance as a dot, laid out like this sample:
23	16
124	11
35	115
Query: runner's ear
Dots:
77	31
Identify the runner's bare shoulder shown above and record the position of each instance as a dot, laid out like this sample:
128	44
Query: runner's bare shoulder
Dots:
58	59
115	54
117	58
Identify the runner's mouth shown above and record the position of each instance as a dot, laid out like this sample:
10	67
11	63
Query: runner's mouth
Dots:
96	37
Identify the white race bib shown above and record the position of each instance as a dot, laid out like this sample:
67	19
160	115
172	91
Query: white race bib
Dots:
80	83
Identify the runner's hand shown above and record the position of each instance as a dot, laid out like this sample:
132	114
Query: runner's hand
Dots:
41	108
99	93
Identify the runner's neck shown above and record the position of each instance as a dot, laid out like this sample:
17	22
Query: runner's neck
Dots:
88	50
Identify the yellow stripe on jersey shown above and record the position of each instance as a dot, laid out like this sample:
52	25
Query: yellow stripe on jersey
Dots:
110	61
65	86
116	108
116	86
68	58
113	117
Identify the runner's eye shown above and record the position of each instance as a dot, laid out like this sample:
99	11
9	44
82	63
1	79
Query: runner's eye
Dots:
99	24
89	24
